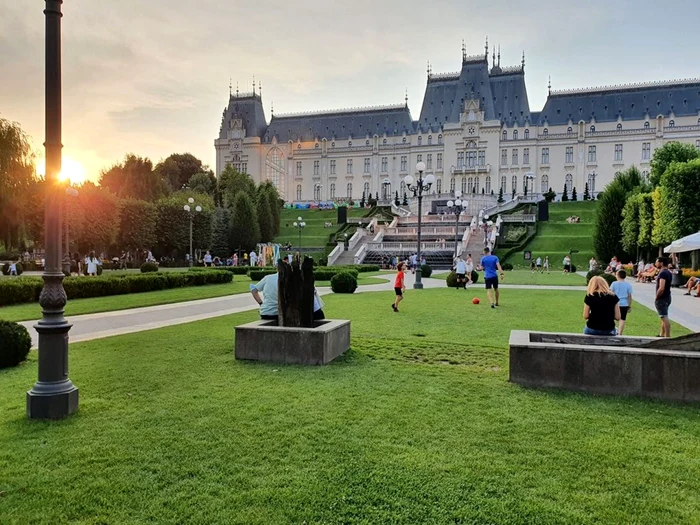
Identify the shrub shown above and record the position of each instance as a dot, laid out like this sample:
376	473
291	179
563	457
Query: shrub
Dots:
149	267
326	274
452	278
343	282
573	268
507	267
15	344
256	275
6	268
609	277
426	270
515	234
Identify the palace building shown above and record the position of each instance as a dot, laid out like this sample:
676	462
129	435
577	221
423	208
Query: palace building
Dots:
476	133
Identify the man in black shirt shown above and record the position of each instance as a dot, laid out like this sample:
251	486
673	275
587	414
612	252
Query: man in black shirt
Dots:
663	295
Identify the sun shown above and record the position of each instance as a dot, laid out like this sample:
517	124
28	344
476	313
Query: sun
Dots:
71	171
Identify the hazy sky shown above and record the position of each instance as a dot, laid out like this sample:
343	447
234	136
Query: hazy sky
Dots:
151	76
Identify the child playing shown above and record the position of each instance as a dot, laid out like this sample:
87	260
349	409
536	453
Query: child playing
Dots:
399	286
623	290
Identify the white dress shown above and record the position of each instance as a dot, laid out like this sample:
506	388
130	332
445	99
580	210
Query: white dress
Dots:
92	266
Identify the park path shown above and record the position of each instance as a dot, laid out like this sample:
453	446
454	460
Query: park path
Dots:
106	324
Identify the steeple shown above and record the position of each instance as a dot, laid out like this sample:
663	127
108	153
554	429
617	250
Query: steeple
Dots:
253	85
464	51
523	61
236	89
260	88
549	85
272	109
493	59
486	47
406	97
229	87
499	55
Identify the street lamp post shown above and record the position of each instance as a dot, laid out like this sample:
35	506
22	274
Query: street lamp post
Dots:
299	225
190	212
417	188
457	207
53	396
70	192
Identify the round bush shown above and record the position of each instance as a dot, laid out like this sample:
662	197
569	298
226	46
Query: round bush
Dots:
507	267
6	268
149	267
609	277
452	278
15	344
573	268
426	270
343	282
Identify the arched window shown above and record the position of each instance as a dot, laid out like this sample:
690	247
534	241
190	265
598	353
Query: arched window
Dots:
403	188
274	169
592	129
545	132
420	140
452	184
514	183
365	189
467	185
366	142
544	184
476	185
440	137
569	182
671	123
503	183
515	134
332	196
505	135
438	186
646	125
430	140
349	190
619	127
645	176
298	192
525	184
317	192
527	134
591	182
569	130
488	184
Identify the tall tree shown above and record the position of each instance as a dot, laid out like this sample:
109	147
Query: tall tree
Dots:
681	210
607	235
265	220
137	225
203	182
500	195
668	153
231	182
16	177
94	218
565	194
646	221
173	223
245	231
574	196
630	223
178	168
275	206
220	233
586	193
134	178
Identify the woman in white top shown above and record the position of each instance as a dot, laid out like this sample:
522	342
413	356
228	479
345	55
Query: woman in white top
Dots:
92	263
207	259
470	268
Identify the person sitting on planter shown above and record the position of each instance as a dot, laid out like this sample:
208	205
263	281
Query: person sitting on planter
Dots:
601	308
268	302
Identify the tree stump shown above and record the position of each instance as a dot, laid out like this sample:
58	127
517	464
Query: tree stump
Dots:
296	293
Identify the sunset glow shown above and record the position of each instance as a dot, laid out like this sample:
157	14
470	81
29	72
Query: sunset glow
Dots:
71	170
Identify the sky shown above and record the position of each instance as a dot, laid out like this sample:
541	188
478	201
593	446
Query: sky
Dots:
151	77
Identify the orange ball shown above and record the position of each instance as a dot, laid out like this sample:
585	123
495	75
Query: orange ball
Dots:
476	300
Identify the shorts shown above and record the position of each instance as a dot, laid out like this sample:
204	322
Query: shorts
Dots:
539	266
398	292
491	282
623	312
461	276
274	318
661	306
567	268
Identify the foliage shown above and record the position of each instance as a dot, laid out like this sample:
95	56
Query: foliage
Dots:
574	197
667	154
515	234
405	199
203	182
220	235
231	183
16	179
135	178
265	219
15	344
586	193
18	266
630	223
275	203
607	235
344	282
663	231
681	208
550	195
565	194
397	201
426	270
451	279
137	224
646	220
609	277
326	274
244	230
507	267
94	218
33	209
173	223
178	169
631	180
149	267
500	195
256	274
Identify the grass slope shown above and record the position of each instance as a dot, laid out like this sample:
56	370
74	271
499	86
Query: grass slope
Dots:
556	237
414	425
314	234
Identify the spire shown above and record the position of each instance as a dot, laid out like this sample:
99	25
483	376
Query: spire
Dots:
272	109
429	71
406	97
236	89
499	55
494	58
523	61
549	85
253	85
260	88
487	47
464	51
229	87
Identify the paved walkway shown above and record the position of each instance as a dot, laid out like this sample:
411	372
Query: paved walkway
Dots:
106	324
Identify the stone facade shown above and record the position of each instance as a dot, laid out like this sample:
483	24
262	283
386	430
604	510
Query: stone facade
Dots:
475	133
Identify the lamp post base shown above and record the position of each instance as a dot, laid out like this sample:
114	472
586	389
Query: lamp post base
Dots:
52	400
418	285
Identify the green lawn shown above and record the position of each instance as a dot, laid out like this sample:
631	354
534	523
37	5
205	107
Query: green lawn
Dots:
554	278
314	234
240	284
416	424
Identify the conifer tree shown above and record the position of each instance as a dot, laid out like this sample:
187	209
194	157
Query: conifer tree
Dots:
574	197
245	230
565	194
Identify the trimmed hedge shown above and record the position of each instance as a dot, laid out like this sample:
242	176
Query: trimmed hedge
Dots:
506	267
609	277
27	289
323	274
452	278
149	267
15	344
344	282
426	270
256	275
6	268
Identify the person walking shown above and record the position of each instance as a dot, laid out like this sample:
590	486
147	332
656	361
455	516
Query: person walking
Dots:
318	306
567	264
399	285
461	272
662	301
414	263
546	264
492	270
623	290
470	268
601	308
253	258
92	263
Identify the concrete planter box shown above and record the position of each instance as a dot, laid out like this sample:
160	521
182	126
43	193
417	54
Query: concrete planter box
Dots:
265	341
604	365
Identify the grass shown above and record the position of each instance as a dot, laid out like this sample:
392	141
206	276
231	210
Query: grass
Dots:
555	278
416	424
240	284
556	238
314	234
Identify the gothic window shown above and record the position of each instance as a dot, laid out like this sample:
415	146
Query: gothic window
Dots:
274	168
419	158
646	125
544	184
545	132
618	152
569	182
482	158
349	190
505	135
316	146
317	192
464	184
514	183
317	167
471	145
591	182
367	162
429	161
527	134
591	154
504	157
420	140
488	184
476	185
332	190
569	159
471	159
403	187
298	192
384	141
438	185
439	161
645	176
569	130
452	184
350	144
404	163
646	150
366	142
503	183
430	140
333	167
592	129
365	189
515	134
385	164
515	157
299	168
671	123
545	155
349	167
526	156
440	136
460	159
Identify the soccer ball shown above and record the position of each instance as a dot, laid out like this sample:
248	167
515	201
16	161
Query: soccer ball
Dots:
476	300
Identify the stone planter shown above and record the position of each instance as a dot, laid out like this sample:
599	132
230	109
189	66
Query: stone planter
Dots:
604	365
265	341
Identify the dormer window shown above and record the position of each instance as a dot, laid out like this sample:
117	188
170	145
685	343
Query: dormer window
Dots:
332	144
316	146
515	134
569	130
646	125
671	123
545	132
592	129
505	135
366	142
404	139
420	140
350	144
619	127
527	134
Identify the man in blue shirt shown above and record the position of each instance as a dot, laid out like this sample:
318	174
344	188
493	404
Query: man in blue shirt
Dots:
268	303
623	290
491	264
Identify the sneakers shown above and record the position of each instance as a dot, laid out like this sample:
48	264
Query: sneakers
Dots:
493	305
393	307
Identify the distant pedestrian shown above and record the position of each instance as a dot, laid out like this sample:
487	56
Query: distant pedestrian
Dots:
546	264
318	306
399	286
539	264
13	268
414	263
461	273
601	308
92	263
253	258
663	295
623	290
567	264
492	270
208	259
470	268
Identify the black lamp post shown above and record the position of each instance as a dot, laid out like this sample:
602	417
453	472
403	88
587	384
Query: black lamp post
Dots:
457	207
417	188
190	212
53	396
70	192
299	225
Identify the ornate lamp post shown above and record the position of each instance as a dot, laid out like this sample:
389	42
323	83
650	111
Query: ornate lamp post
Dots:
299	225
190	212
457	207
70	192
53	396
418	188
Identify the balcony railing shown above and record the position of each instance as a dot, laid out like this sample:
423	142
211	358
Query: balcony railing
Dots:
407	246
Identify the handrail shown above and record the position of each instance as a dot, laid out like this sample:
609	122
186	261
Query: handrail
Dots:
425	246
359	233
361	254
336	253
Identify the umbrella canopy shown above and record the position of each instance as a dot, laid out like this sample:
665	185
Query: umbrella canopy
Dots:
686	244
